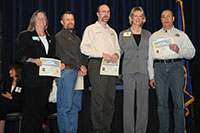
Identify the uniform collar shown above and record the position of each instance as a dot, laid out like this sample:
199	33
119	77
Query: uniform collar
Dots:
98	25
67	30
169	31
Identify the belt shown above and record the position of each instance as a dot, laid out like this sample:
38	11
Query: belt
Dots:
74	68
93	58
167	60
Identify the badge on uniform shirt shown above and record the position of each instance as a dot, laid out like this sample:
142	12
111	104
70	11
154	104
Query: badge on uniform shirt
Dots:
35	38
177	35
112	34
18	89
127	34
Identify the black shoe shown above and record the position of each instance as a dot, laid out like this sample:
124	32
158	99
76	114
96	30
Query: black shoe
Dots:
97	131
46	130
107	131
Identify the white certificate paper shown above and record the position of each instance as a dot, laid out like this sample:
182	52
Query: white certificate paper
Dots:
110	69
50	67
161	47
79	83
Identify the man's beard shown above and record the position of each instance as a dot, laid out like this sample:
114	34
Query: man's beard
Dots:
105	19
70	27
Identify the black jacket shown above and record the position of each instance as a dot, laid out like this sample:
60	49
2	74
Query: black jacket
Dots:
29	45
17	93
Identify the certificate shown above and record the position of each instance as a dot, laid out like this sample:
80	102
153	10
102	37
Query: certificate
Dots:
79	83
110	69
161	47
50	67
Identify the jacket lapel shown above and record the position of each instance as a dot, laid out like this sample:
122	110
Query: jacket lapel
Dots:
133	42
141	39
40	42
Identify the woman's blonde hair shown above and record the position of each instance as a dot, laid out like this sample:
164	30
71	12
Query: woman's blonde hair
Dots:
139	8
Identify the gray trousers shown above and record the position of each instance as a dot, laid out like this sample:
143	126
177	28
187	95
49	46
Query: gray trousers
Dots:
102	97
135	88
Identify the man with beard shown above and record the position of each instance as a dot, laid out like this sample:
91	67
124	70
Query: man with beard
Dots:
68	99
100	41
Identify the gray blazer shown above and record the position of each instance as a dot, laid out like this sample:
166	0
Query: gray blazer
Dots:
135	57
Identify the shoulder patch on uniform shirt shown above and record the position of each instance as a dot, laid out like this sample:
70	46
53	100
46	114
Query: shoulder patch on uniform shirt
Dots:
125	34
112	34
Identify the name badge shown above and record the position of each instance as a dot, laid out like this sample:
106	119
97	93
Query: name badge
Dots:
35	38
127	34
18	89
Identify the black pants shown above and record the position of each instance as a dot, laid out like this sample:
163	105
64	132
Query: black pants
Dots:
102	97
51	109
35	106
8	106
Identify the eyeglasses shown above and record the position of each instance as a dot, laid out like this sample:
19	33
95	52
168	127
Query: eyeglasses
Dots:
104	11
166	16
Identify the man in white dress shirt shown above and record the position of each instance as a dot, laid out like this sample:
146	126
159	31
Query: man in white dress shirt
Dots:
166	71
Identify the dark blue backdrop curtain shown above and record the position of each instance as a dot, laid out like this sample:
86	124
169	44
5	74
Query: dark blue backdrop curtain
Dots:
17	13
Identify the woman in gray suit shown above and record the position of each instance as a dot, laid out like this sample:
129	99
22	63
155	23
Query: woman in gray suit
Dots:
134	43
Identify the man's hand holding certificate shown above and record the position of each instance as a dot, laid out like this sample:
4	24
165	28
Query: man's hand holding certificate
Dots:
50	67
109	68
174	47
162	47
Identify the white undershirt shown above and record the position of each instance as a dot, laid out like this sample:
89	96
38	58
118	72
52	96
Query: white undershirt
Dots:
45	43
12	88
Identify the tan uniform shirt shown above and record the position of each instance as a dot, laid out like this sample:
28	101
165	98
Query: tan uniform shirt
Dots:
98	40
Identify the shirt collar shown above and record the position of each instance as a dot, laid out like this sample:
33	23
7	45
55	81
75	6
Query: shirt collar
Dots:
169	31
98	25
68	31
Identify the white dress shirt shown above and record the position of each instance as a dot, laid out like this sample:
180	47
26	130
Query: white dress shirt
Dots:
186	48
45	43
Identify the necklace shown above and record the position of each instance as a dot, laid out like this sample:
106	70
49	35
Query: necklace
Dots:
135	31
